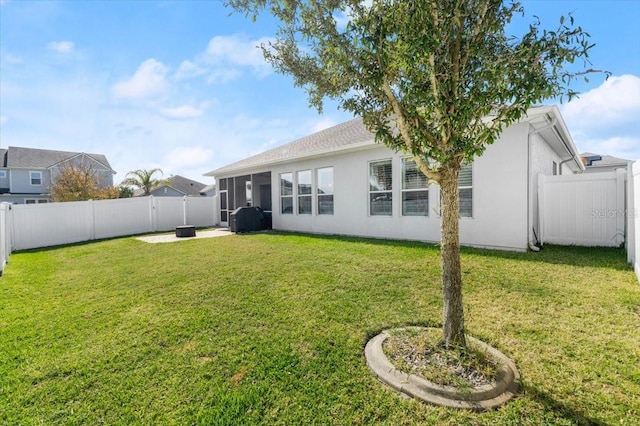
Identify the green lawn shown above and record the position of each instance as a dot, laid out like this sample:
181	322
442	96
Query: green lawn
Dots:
270	329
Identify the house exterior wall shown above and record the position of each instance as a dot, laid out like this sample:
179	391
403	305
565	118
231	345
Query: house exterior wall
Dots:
21	181
542	157
22	198
165	191
4	181
104	177
499	199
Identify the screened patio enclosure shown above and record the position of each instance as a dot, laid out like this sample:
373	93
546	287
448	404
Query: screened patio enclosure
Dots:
240	191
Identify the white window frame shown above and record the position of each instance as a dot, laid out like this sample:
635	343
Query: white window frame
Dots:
326	192
36	201
290	196
388	191
306	196
424	189
31	175
470	187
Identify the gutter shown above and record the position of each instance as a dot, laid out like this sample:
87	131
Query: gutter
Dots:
573	157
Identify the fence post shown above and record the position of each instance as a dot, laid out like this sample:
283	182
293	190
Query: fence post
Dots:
630	216
93	220
3	237
153	216
541	204
621	210
184	209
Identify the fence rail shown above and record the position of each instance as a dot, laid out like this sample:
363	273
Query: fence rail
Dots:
40	225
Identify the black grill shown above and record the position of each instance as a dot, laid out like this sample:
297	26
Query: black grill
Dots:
247	219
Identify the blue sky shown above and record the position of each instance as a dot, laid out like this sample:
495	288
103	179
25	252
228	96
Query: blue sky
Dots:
180	85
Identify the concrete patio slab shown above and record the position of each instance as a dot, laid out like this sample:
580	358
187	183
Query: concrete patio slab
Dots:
170	238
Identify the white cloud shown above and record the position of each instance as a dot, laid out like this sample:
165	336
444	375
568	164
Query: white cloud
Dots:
614	102
3	120
148	80
605	119
60	46
187	158
188	69
227	58
12	59
183	111
237	50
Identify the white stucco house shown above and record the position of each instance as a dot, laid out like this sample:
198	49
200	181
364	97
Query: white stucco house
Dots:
339	181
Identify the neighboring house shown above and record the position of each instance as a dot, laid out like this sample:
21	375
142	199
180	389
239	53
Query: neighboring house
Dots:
595	163
339	181
208	191
178	186
26	174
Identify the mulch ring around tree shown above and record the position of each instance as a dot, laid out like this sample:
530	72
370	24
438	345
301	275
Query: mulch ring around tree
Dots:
413	361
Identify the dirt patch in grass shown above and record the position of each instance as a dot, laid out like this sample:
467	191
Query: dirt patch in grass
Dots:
422	352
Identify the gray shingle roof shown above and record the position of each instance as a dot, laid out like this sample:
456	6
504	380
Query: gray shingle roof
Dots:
340	136
180	184
186	186
18	157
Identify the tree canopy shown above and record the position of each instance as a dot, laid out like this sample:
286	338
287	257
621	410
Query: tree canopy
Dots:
79	182
435	79
144	180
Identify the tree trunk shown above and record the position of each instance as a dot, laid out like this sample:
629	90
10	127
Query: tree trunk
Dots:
453	313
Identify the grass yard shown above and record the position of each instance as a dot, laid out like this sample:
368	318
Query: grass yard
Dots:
270	329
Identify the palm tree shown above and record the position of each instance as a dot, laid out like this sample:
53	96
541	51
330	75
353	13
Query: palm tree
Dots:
143	179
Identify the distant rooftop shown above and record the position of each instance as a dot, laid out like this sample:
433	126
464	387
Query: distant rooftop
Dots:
181	184
605	161
18	157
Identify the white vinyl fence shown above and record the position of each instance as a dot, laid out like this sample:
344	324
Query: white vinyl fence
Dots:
42	225
583	209
5	234
633	217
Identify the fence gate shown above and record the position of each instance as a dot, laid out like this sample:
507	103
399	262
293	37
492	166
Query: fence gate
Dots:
583	209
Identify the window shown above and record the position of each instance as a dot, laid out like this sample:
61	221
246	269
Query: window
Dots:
415	190
555	168
304	192
3	174
35	201
325	190
36	178
286	193
380	186
465	190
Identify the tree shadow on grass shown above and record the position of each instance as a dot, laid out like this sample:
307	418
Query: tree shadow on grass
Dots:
558	408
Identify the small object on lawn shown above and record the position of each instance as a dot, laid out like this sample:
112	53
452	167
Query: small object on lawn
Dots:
185	231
